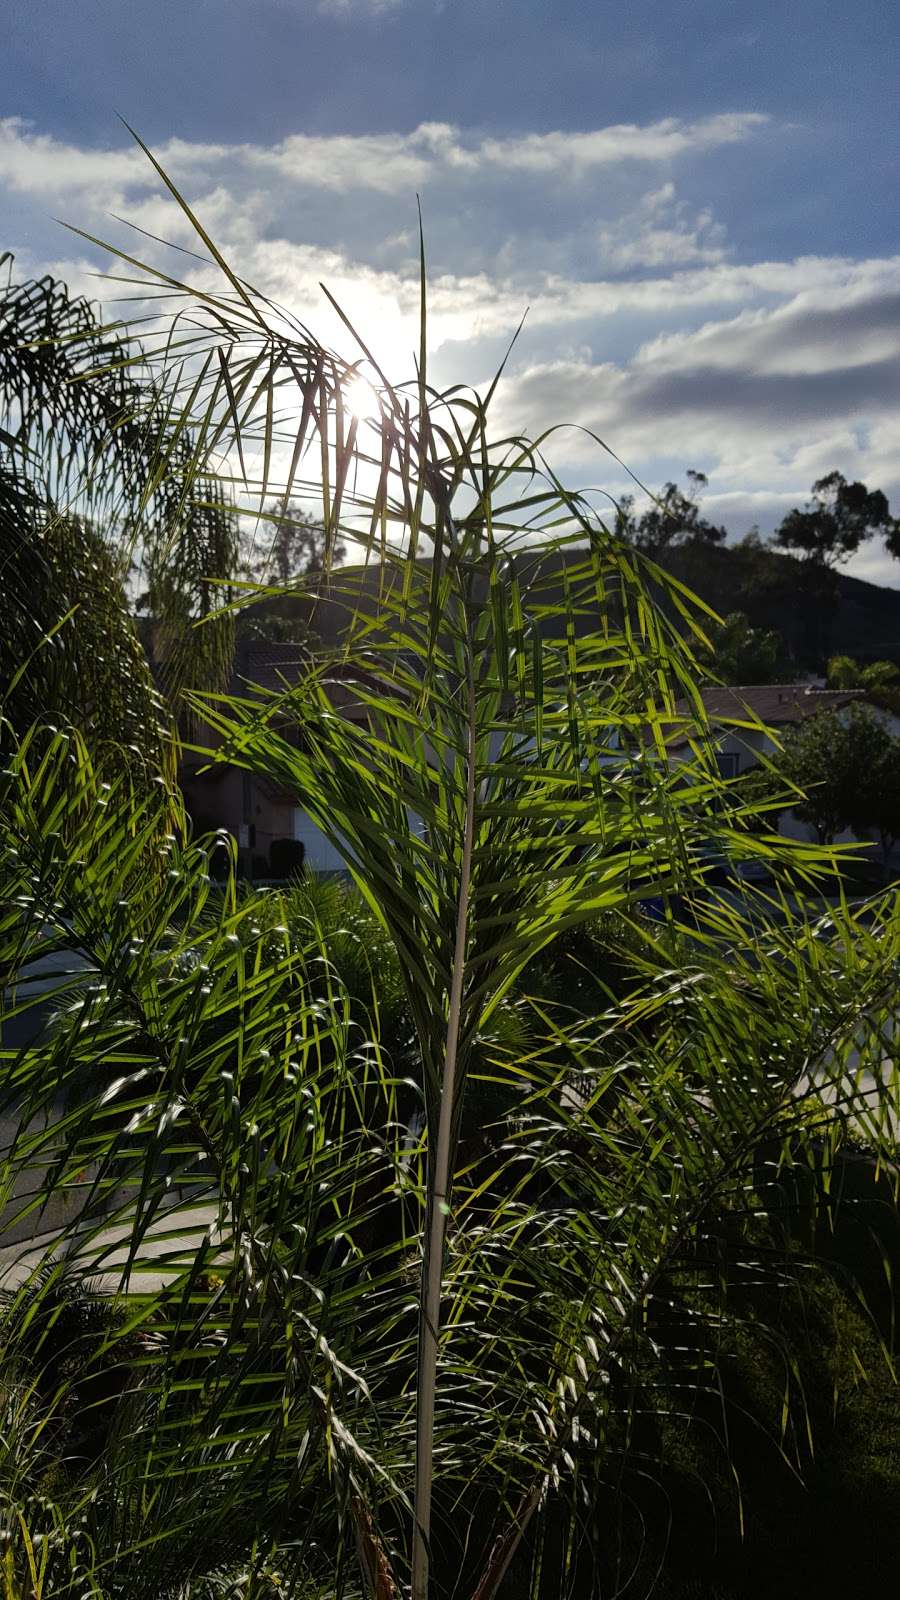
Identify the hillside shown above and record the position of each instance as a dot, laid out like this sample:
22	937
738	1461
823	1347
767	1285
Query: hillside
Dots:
819	613
836	615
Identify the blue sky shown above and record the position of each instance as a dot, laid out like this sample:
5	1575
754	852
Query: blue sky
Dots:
696	198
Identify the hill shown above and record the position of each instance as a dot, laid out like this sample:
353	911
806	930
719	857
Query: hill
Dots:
818	613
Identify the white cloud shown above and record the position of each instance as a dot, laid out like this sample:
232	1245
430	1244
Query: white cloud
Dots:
34	162
575	153
660	232
345	9
874	564
389	162
642	328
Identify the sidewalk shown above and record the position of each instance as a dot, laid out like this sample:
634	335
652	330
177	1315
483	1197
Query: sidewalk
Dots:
169	1246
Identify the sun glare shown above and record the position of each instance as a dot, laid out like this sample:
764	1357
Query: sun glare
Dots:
361	399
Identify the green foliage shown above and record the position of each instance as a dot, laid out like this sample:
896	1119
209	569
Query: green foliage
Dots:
744	654
838	519
225	1085
68	648
813	1450
72	450
73	404
845	764
389	1348
880	680
88	480
879	801
190	563
196	1064
845	673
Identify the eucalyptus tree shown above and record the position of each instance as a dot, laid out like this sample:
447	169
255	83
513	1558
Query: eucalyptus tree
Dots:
670	520
839	517
391	1358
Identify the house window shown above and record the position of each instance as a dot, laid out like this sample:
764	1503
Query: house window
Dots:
728	763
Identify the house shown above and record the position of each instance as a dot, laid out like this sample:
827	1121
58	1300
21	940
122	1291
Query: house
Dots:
777	706
260	814
768	712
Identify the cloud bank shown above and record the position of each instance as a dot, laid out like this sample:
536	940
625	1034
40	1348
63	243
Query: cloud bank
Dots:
644	329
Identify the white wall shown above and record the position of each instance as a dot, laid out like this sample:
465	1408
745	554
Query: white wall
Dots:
748	745
320	854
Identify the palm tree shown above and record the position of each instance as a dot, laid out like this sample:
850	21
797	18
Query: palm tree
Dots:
67	645
387	1354
84	488
876	676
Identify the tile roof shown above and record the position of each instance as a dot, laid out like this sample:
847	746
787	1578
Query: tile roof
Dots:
266	664
274	666
773	704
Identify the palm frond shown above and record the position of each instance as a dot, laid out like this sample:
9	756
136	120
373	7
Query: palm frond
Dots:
390	1348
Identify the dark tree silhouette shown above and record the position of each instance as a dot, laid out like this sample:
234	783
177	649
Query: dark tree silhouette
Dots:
291	544
836	521
672	520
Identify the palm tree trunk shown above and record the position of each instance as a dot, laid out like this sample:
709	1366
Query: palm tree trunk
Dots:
439	1197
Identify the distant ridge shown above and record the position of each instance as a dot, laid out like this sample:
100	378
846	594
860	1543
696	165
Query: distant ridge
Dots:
856	618
819	613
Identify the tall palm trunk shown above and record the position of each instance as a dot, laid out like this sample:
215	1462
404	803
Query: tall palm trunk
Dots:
440	1191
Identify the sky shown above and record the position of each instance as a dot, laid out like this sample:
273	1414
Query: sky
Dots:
695	200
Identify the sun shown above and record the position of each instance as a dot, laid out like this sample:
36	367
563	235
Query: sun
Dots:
361	399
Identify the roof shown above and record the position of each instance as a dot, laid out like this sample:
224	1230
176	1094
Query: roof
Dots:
773	704
274	666
268	664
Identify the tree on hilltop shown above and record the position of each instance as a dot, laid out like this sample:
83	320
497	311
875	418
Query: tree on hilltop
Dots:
673	519
836	521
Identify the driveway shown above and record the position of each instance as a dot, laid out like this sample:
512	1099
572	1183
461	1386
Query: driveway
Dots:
169	1246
